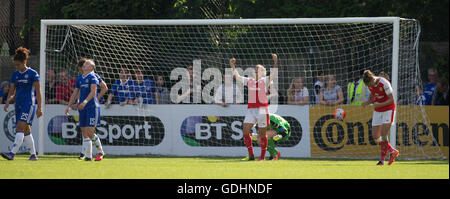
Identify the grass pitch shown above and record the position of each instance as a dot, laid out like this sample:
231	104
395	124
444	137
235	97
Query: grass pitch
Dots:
120	167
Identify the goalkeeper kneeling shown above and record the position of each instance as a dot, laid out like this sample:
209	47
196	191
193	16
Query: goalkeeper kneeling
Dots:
278	131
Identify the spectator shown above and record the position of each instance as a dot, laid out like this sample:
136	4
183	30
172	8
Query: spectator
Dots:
143	90
197	89
331	94
318	85
430	87
1	96
163	92
120	91
50	87
4	89
64	88
228	92
297	93
440	96
419	97
189	93
357	91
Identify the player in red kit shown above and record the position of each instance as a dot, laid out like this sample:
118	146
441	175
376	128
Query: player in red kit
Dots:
257	110
382	97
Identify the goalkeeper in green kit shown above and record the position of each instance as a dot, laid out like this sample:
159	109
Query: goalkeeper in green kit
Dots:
278	130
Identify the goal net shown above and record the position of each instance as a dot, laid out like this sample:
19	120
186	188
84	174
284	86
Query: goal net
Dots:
163	76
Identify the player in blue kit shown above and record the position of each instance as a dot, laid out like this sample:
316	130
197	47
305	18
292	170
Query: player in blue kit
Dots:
25	88
73	104
121	89
143	90
88	107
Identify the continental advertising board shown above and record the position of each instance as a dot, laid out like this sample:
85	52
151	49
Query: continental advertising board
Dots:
417	136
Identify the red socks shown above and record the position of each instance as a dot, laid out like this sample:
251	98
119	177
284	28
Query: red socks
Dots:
385	147
388	147
248	143
264	142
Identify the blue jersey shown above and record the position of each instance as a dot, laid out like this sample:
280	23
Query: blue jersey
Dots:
144	90
84	84
100	80
428	92
25	91
121	90
98	77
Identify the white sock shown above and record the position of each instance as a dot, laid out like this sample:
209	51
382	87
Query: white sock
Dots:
29	142
17	142
378	140
87	145
82	147
97	143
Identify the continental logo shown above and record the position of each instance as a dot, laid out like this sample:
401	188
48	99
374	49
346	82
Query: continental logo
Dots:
113	130
226	131
333	135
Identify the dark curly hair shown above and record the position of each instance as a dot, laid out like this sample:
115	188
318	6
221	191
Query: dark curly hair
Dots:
21	54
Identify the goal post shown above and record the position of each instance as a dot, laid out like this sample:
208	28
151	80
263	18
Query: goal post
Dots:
339	47
42	73
394	82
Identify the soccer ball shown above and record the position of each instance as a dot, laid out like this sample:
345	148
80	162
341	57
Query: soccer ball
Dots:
339	114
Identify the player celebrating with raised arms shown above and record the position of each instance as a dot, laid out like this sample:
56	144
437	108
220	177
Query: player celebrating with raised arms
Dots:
257	111
88	108
25	88
382	97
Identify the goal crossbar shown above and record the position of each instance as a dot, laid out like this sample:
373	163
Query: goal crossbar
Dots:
223	21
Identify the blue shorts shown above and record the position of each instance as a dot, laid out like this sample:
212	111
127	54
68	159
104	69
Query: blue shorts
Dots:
25	113
89	117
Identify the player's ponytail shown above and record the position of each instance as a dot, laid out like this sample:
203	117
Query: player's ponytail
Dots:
21	54
367	77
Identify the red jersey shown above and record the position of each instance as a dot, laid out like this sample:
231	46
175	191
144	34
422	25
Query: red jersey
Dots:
64	90
380	93
257	92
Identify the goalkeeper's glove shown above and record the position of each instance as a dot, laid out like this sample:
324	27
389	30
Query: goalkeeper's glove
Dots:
277	137
255	136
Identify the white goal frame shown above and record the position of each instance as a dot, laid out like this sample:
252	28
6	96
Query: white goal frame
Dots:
395	21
